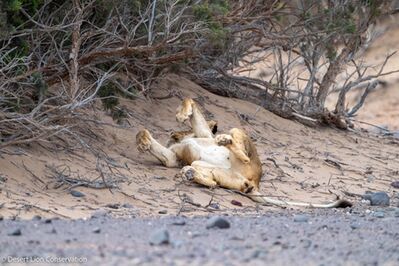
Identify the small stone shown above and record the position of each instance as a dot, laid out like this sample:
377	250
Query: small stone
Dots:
179	222
301	218
77	194
97	230
16	232
355	225
377	198
113	206
1	218
177	243
214	205
236	203
217	222
379	214
160	237
395	184
163	212
48	221
127	206
36	218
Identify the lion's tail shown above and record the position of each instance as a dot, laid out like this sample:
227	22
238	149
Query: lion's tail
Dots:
257	197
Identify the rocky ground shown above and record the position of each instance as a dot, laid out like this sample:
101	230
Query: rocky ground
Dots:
358	236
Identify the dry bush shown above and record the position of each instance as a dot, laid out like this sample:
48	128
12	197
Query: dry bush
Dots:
311	47
65	54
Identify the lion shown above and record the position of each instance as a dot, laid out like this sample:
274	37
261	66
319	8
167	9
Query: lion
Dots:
227	160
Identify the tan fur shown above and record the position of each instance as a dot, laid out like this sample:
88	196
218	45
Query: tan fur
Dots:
227	160
178	136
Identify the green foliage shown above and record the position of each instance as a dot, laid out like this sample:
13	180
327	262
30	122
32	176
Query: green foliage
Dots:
40	85
208	12
108	96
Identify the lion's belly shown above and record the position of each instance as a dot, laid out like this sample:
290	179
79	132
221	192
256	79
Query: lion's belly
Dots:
210	152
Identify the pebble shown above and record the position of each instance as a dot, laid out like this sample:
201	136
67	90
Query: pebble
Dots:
97	230
163	212
48	221
217	222
127	206
379	214
236	203
36	218
395	184
1	218
179	222
177	243
160	237
77	194
16	232
114	206
301	218
214	205
355	225
377	198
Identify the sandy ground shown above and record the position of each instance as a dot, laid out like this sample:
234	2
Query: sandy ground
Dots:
299	163
333	237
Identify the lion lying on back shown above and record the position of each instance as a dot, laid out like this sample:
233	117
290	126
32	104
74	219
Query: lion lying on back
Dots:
226	160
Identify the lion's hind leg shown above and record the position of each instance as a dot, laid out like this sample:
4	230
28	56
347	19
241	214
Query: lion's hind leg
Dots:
145	142
211	176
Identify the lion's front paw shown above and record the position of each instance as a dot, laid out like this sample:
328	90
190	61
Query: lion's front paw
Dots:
143	140
223	140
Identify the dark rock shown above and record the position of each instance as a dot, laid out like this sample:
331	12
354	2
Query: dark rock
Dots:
48	221
377	198
217	222
36	218
214	205
16	232
395	184
97	230
355	225
177	243
127	206
301	218
379	214
236	203
1	218
163	212
77	194
160	237
179	222
113	206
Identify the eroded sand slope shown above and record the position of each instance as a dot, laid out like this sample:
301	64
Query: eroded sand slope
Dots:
299	163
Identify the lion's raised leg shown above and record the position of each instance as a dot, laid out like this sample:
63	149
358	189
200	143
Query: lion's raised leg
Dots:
145	142
209	175
233	145
188	110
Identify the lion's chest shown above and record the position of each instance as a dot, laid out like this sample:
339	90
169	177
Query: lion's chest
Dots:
211	152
